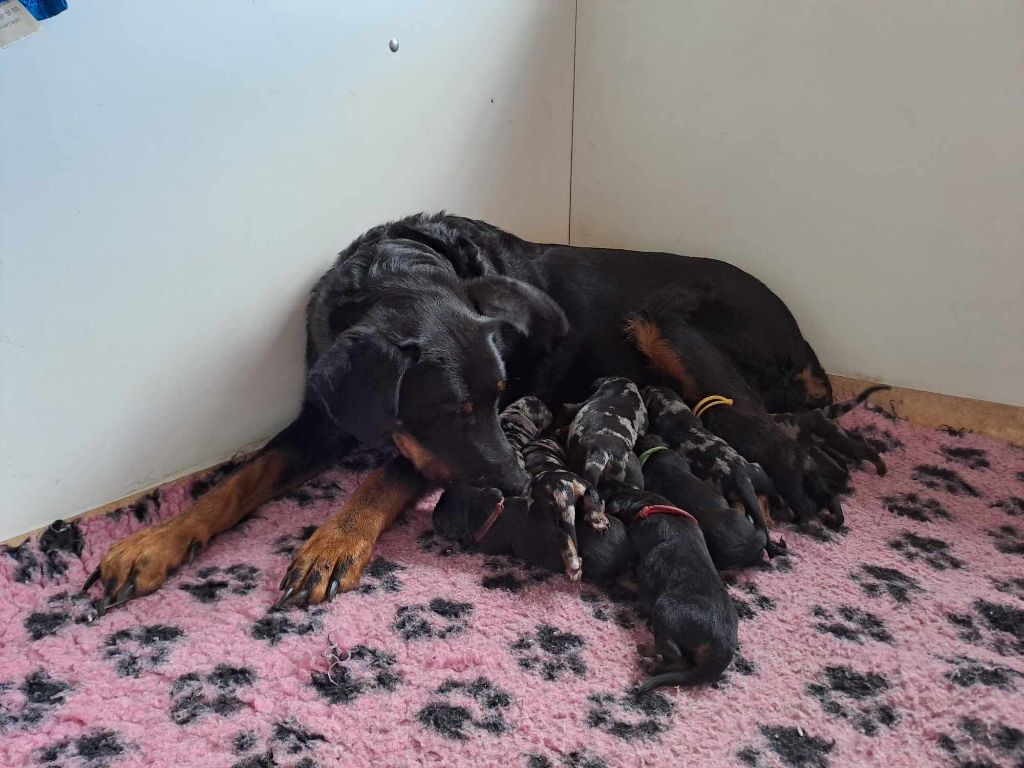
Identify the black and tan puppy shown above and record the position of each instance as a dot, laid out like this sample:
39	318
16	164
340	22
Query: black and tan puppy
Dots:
605	429
710	457
734	538
692	616
481	519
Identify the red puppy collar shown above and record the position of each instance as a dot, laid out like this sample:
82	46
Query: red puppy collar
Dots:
489	522
663	509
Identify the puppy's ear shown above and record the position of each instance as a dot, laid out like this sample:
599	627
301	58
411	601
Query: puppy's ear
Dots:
356	383
527	309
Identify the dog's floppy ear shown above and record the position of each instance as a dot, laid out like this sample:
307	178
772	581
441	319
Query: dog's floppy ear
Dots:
527	309
356	383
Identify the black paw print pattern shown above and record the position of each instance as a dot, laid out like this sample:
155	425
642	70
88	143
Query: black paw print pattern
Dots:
967	672
381	574
350	674
26	703
975	744
63	608
93	749
943	479
142	509
279	624
815	530
912	506
46	558
794	746
438	619
1011	505
935	552
510	575
995	626
211	583
876	580
315	491
855	697
630	716
550	653
140	648
749	600
579	758
851	623
1008	539
882	440
460	708
289	744
287	545
193	696
429	541
972	458
617	604
1013	586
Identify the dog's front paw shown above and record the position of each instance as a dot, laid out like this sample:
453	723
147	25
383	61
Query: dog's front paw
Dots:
331	561
141	563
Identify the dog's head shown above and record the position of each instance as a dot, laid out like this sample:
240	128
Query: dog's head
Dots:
431	375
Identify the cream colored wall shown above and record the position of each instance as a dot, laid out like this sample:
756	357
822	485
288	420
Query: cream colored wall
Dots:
865	159
174	177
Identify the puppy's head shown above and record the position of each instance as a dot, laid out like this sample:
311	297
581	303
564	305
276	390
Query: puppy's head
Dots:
430	375
462	510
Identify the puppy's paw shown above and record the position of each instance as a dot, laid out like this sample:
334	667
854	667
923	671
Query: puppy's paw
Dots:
330	561
141	563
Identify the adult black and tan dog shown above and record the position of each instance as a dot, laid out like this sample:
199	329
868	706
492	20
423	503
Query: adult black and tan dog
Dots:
425	326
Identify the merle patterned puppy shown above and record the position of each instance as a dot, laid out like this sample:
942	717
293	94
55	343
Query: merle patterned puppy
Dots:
734	538
741	482
556	490
692	616
818	428
481	519
605	429
523	421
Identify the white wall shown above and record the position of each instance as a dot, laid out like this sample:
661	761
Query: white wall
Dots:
174	177
866	159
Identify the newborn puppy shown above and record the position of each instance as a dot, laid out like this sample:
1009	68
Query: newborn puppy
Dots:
479	518
733	538
692	616
522	421
818	428
559	494
710	457
605	429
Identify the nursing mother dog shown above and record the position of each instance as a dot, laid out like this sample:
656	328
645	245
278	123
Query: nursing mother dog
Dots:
425	327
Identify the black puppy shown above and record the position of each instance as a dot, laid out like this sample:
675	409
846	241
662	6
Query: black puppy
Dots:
605	429
692	616
481	519
734	539
709	456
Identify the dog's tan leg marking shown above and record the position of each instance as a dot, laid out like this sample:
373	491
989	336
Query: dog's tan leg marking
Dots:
151	554
341	547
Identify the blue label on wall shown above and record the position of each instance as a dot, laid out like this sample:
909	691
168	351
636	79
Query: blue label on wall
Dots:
44	9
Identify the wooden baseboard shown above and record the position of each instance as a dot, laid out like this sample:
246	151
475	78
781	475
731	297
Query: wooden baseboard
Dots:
931	409
927	409
110	507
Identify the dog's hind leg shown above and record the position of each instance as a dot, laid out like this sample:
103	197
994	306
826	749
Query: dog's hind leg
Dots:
140	563
333	558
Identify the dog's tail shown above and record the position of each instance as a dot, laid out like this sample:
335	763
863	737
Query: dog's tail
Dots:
710	663
839	409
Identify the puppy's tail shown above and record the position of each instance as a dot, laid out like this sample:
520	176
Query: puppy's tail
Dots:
710	663
839	409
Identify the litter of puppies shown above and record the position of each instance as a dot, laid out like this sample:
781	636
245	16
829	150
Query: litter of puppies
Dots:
637	483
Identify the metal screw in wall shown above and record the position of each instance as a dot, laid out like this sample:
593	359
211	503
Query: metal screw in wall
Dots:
393	44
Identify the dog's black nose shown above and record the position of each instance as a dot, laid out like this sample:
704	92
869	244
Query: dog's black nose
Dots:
513	483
